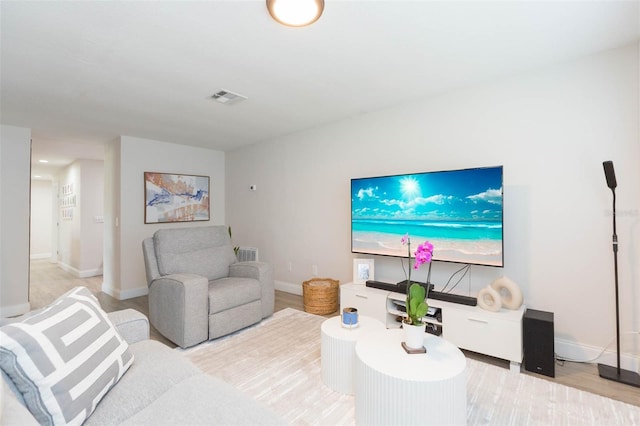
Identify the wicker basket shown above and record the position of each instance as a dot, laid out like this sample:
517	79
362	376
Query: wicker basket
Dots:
320	295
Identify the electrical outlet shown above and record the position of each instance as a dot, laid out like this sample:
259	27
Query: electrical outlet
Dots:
290	267
314	270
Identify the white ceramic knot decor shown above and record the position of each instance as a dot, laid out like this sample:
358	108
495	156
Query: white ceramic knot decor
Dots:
500	293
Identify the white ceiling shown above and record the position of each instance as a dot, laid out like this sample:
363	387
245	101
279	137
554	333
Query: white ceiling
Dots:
85	72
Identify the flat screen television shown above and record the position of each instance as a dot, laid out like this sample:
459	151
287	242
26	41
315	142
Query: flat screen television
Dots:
459	211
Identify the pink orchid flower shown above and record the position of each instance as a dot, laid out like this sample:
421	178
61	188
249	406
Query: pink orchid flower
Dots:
423	254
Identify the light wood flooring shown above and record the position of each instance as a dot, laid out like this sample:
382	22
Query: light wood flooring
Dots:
48	281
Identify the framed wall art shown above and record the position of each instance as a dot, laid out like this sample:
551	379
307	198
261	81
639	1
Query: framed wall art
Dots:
363	270
175	198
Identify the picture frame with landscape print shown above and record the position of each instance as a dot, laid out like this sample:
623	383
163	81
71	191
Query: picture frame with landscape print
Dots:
363	270
175	198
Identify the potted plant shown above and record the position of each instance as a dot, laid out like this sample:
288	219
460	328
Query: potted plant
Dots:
416	304
236	248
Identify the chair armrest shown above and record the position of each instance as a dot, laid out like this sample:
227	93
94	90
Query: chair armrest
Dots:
132	325
179	308
263	272
250	269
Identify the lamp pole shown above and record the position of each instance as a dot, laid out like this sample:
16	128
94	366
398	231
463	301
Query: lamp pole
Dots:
606	371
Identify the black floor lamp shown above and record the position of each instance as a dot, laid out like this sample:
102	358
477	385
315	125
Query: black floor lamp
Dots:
607	371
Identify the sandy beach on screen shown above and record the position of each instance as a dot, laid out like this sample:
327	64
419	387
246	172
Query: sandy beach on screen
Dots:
488	252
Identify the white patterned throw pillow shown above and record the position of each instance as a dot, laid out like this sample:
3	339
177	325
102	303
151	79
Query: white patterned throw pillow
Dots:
65	358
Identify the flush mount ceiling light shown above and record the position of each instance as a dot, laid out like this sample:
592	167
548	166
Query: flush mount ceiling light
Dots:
295	13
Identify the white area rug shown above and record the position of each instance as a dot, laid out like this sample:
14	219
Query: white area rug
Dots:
278	363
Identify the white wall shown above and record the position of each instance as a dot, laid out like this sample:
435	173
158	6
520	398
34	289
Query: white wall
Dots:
70	229
126	160
551	129
112	269
81	238
91	208
41	213
15	160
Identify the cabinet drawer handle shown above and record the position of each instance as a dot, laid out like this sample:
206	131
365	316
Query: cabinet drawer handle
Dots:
361	297
478	320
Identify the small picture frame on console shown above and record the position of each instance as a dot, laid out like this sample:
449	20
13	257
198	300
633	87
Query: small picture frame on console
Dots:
363	270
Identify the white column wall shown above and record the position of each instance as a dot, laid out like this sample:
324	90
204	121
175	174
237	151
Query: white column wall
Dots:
112	241
15	169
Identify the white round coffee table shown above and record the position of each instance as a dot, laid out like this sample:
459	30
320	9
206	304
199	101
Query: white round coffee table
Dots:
338	350
393	387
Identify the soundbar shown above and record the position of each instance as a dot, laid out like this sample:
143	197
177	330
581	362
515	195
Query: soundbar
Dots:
384	286
400	287
453	298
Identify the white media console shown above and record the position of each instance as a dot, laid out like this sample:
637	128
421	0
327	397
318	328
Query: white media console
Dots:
497	334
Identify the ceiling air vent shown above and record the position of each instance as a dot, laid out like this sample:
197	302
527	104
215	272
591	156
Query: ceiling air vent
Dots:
227	97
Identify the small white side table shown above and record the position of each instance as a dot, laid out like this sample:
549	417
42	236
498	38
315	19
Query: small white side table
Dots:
393	387
338	351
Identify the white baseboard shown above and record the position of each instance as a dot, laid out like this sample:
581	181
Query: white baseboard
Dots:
14	310
116	293
289	287
581	352
36	256
87	273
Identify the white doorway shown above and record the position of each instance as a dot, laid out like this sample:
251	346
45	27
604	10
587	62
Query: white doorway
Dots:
66	230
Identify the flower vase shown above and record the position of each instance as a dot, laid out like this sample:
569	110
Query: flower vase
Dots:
413	335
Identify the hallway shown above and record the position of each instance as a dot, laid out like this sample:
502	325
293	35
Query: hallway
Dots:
48	281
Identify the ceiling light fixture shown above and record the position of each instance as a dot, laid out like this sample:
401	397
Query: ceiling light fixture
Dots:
43	161
295	13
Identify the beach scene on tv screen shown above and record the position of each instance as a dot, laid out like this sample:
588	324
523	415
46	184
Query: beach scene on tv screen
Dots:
459	211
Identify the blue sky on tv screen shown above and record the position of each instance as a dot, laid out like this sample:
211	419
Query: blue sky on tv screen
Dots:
460	195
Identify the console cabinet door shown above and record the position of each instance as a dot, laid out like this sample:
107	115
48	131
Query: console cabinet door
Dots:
369	303
483	332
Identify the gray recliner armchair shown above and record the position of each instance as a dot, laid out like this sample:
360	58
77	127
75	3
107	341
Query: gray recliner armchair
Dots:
198	290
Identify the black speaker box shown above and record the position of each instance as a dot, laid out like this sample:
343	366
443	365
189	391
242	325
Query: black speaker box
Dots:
539	351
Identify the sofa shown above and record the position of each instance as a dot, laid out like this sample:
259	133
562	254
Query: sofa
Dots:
159	387
197	288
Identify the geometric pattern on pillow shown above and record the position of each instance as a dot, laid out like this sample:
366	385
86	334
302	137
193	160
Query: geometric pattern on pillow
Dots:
65	358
